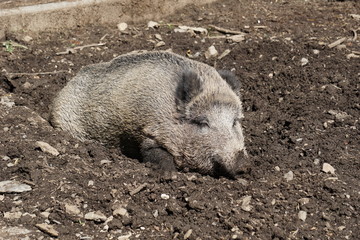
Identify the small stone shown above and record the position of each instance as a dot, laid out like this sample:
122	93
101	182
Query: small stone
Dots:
302	215
273	202
164	196
339	115
47	229
7	102
160	44
72	209
187	234
316	161
122	26
304	61
341	228
289	176
5	158
27	85
91	183
158	37
277	168
121	212
237	38
211	52
12	215
14	233
27	38
95	216
156	213
13	187
327	168
152	24
45	214
124	237
316	52
245	203
45	147
304	201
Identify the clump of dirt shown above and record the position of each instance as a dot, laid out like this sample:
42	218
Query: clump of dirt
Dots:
301	102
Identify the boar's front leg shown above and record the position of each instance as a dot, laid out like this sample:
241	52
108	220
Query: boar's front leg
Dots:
153	153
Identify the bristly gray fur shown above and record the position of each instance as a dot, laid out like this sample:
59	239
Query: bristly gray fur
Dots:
150	104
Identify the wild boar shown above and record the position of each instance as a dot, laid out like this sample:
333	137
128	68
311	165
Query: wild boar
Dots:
159	107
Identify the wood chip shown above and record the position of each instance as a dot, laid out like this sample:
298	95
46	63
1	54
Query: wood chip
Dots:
337	42
45	147
138	189
224	30
237	38
224	54
188	233
46	228
12	186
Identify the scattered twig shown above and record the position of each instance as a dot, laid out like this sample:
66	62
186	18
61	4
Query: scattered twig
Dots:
138	189
354	31
260	27
29	182
103	37
352	55
12	75
356	52
72	50
224	30
217	37
337	42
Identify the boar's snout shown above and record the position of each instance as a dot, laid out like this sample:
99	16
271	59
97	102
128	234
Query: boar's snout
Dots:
221	168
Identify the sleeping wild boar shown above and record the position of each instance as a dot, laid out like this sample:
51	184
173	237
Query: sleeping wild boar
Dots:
159	107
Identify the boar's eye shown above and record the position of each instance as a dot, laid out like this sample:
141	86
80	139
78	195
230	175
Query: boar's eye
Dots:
201	121
236	121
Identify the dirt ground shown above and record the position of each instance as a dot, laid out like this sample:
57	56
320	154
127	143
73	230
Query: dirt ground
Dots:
302	109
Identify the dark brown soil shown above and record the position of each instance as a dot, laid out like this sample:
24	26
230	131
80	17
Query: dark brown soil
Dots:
297	117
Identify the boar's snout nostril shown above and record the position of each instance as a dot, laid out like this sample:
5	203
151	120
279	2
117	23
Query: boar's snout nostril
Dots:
243	162
241	155
219	168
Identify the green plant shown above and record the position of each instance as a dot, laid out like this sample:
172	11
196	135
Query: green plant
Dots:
11	45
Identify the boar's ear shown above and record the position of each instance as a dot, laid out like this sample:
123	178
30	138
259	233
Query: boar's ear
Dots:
189	86
231	79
